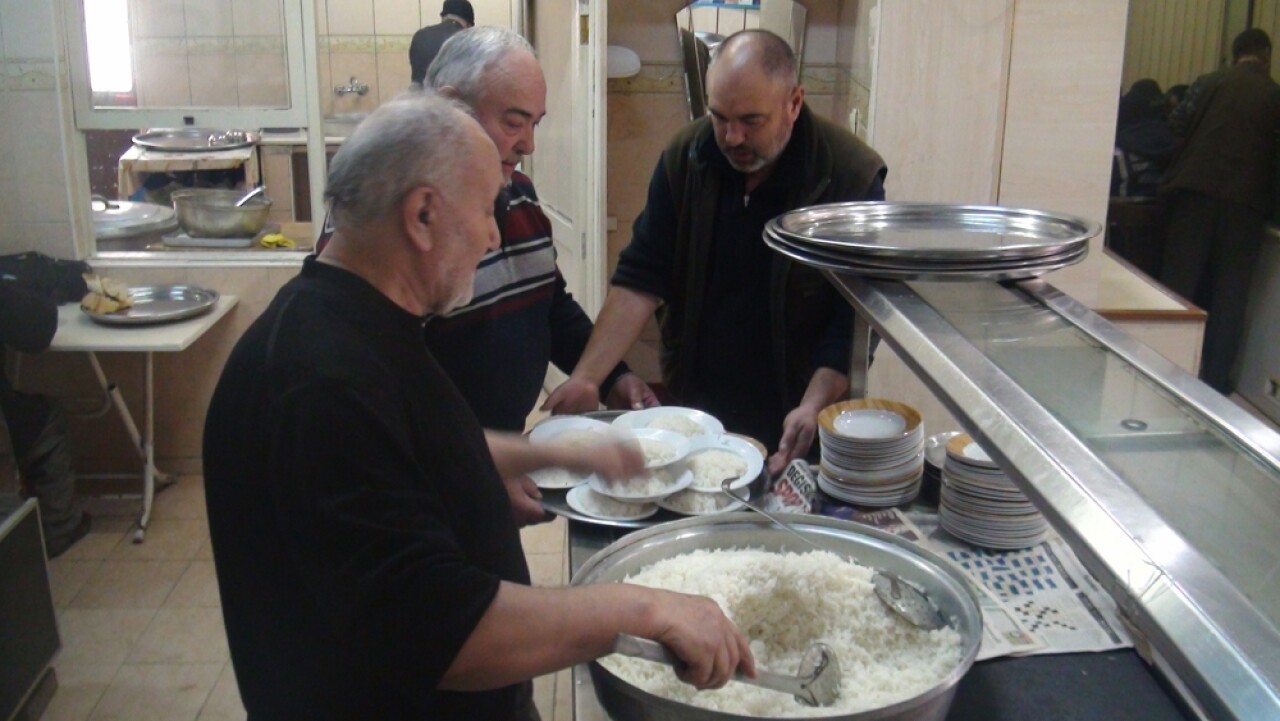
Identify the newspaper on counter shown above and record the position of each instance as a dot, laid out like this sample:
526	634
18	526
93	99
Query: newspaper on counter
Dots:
1045	587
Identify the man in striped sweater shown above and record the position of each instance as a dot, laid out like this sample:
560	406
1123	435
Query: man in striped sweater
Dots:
496	348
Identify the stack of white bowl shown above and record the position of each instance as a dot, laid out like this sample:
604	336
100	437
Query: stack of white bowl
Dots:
981	505
872	452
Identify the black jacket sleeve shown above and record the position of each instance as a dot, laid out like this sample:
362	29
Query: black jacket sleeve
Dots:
28	318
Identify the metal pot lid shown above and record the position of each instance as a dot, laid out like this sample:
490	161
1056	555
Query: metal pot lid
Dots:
195	140
123	218
935	232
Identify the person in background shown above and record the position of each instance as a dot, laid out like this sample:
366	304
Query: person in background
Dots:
455	15
749	336
1144	142
37	425
1173	96
367	558
1221	189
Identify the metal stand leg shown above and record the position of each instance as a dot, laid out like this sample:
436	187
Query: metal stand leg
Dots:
143	442
859	357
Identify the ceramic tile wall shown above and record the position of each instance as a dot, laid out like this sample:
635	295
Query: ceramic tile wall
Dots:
208	52
33	204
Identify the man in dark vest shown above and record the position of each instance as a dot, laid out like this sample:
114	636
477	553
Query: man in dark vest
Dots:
758	341
454	16
1221	188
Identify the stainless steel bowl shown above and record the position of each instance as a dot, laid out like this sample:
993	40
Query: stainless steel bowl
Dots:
212	213
946	586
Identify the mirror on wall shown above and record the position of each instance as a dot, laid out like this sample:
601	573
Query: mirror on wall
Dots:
703	25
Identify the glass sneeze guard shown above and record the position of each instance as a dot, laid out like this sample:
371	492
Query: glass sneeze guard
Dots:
1166	490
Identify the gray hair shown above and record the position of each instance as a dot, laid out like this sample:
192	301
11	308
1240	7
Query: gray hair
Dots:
417	138
466	58
771	53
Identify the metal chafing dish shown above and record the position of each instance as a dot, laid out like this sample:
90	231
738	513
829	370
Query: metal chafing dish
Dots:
945	585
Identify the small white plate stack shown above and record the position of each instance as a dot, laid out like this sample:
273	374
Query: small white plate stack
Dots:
981	505
872	452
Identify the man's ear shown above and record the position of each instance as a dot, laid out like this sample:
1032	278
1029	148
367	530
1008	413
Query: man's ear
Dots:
417	213
449	92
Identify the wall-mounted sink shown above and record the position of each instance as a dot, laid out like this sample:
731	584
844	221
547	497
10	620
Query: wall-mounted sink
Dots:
340	125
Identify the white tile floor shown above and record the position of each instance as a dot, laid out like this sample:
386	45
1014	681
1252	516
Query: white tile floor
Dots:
141	624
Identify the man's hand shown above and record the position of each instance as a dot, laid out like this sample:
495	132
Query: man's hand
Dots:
614	460
798	431
526	501
574	396
697	631
631	393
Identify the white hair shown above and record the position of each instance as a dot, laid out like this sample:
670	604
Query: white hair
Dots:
417	138
467	57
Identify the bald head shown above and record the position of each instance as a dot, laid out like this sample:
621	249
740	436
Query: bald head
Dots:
758	51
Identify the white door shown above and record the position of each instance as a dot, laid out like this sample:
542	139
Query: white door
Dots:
568	165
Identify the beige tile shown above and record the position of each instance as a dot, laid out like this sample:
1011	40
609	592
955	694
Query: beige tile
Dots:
184	499
98	544
157	692
130	584
157	18
351	17
395	17
262	80
198	588
255	17
208	18
546	569
224	702
215	82
66	578
162	81
168	539
564	696
80	686
393	74
182	635
206	551
544	691
99	636
545	537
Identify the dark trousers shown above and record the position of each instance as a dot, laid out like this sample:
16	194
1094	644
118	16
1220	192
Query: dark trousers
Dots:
38	430
1209	258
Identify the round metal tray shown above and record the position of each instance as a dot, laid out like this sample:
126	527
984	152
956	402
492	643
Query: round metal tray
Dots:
935	232
154	304
195	140
969	272
124	219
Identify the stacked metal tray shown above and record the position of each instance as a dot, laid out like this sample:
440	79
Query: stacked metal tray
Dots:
928	241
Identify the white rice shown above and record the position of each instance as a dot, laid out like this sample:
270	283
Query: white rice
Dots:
555	477
712	466
645	485
784	603
683	425
656	453
694	502
600	505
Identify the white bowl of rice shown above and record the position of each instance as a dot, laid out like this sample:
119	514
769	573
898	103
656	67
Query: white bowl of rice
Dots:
785	596
659	448
696	503
589	503
688	422
716	458
652	485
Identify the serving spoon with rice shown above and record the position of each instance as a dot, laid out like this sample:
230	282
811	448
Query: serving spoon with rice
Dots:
816	684
905	600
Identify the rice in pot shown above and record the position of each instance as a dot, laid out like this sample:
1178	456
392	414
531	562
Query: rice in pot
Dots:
783	603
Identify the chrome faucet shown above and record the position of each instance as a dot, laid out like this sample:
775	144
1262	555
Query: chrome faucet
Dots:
353	86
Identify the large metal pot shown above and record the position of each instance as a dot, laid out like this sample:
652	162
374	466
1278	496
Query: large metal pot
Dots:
946	586
212	213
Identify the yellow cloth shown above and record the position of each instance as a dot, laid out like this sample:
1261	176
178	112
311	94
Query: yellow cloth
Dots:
276	240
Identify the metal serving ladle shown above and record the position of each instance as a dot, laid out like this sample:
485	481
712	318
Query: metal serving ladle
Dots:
817	683
251	195
908	602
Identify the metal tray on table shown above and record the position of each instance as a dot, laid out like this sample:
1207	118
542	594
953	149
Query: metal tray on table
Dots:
195	140
160	304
